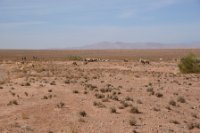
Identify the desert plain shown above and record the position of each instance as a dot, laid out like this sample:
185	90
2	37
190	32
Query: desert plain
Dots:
54	94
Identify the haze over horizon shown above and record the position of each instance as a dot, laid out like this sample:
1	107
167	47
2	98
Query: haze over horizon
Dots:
44	24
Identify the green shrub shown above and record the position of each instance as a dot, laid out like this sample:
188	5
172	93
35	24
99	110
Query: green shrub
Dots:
74	58
190	64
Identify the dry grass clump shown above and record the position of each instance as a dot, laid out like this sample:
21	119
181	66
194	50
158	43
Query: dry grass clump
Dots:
45	97
156	109
12	93
53	83
172	102
150	90
85	92
158	94
99	96
181	99
174	121
105	90
82	113
128	98
50	90
135	110
194	115
67	81
26	84
105	100
139	101
114	97
75	64
60	105
125	104
75	91
113	110
26	93
132	121
48	97
90	86
193	125
13	102
24	116
99	104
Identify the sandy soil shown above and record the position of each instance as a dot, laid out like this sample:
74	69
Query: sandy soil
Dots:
99	97
151	54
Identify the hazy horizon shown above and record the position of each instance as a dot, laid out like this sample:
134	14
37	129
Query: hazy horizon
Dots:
46	24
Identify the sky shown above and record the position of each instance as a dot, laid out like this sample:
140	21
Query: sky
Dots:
41	24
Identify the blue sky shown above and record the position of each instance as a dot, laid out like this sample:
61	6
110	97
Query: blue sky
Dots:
69	23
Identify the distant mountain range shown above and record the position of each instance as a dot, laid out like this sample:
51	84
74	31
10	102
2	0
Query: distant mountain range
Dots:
124	45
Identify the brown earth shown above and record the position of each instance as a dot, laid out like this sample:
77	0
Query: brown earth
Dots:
154	54
98	97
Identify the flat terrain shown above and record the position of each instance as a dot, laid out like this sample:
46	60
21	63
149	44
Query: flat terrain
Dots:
61	96
153	54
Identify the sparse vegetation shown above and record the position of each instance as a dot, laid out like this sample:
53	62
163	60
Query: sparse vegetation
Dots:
45	97
50	90
139	101
26	84
150	90
128	98
156	109
193	125
125	104
174	121
13	102
181	99
113	110
12	93
24	116
91	87
60	105
99	104
194	115
26	93
85	92
67	81
85	96
132	121
53	83
83	113
105	100
74	58
158	94
75	91
99	96
172	102
134	110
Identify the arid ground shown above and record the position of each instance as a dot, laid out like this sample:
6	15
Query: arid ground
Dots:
153	54
48	95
